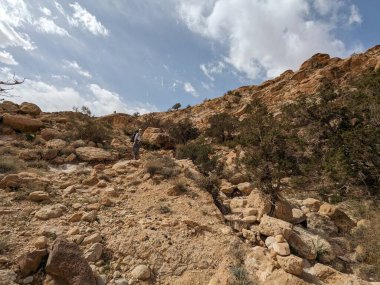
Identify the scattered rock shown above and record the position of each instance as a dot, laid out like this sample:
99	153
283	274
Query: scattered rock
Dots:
271	226
141	272
94	252
96	237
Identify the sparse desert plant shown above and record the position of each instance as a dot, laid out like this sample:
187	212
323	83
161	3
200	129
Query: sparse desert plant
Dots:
164	209
10	165
39	164
4	245
164	166
179	187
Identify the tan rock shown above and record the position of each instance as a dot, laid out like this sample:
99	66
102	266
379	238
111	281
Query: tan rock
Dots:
50	212
94	252
93	154
96	237
141	272
281	248
291	264
56	144
76	217
281	277
30	109
260	202
41	242
312	204
38	196
90	181
271	226
157	137
29	262
341	220
22	123
245	188
89	217
49	134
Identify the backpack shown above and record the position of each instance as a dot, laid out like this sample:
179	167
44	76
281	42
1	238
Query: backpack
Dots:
132	138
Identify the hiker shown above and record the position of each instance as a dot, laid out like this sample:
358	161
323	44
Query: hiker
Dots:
136	144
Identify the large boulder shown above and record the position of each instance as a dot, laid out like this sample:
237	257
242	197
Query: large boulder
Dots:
30	109
271	227
22	123
9	107
321	224
50	212
158	138
281	277
49	134
93	154
66	263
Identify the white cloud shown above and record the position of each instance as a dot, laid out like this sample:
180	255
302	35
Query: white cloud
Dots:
46	11
264	38
83	18
51	98
13	15
75	66
7	58
355	17
190	89
47	26
212	68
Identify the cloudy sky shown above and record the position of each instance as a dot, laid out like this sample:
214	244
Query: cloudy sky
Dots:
141	56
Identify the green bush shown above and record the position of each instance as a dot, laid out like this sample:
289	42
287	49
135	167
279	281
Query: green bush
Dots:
199	154
222	126
183	131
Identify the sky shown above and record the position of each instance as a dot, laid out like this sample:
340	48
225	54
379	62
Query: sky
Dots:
145	56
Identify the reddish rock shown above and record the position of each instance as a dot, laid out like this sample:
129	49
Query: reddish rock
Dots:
29	263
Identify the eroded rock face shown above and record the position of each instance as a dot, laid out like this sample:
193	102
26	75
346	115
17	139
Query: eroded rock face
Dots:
22	123
157	137
93	154
66	262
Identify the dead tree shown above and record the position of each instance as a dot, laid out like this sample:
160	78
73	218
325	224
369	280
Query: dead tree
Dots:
4	90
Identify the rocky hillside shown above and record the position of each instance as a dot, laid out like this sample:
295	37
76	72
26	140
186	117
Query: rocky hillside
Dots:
271	193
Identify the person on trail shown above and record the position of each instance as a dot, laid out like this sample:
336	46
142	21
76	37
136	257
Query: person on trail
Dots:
136	144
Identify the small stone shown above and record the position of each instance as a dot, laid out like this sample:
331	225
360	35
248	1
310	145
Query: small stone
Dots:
249	212
94	252
76	217
73	231
312	204
28	280
250	219
281	248
89	217
270	241
96	237
41	242
279	238
121	281
141	272
38	196
291	264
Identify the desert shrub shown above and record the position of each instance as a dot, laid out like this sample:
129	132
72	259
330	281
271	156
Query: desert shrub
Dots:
4	245
222	126
39	164
183	131
10	165
89	128
164	166
240	275
270	149
209	183
150	120
175	107
199	154
180	186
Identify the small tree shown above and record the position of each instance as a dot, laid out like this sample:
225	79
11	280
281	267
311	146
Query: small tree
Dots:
175	107
183	131
222	126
